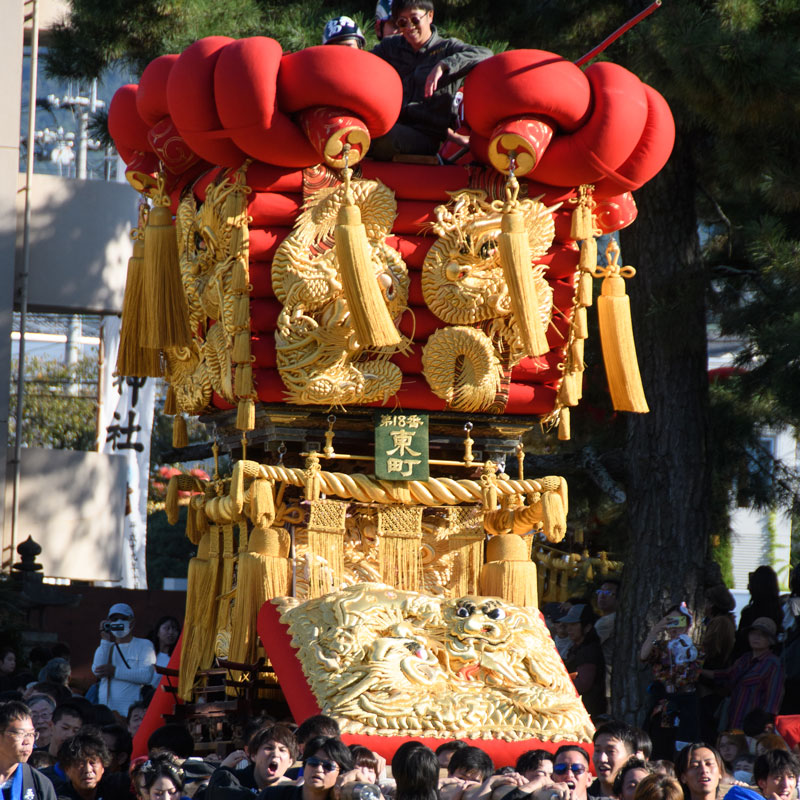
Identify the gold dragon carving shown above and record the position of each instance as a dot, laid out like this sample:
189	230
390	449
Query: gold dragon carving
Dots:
389	662
318	356
211	239
463	284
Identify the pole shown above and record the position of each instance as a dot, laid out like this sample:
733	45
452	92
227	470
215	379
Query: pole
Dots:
23	278
595	51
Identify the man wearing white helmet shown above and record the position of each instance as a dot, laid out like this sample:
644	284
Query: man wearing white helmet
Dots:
123	662
345	31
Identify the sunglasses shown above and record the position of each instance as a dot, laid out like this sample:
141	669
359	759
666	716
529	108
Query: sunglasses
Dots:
327	766
403	22
576	769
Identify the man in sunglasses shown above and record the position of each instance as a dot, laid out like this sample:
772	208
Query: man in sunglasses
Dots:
571	773
431	69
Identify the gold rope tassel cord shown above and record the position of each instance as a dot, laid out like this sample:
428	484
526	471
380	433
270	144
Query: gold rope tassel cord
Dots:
373	325
616	336
133	359
180	434
509	572
196	601
326	529
399	540
465	542
515	257
165	318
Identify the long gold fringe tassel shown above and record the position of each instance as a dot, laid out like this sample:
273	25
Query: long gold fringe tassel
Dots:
465	541
180	435
133	359
166	314
616	336
326	529
515	257
372	322
399	539
509	572
196	601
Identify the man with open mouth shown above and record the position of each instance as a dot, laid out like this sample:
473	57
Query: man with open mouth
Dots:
775	772
614	744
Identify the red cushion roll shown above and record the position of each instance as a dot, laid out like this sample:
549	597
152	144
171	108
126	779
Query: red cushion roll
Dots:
268	178
561	260
413	249
137	160
542	369
521	83
343	77
264	243
525	398
420	322
264	315
414	216
650	153
615	213
125	125
415	295
214	147
607	138
273	208
262	348
417	181
261	278
151	99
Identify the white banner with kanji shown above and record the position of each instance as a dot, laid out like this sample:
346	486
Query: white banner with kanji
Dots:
126	425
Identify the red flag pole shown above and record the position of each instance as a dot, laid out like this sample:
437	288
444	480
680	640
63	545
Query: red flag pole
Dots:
595	51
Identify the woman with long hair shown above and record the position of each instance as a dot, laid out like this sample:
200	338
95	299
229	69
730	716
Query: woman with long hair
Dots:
163	778
415	769
765	601
164	636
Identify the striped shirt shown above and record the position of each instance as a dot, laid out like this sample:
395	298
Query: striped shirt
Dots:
754	683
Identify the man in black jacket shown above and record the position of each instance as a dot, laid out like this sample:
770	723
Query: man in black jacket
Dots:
18	781
431	69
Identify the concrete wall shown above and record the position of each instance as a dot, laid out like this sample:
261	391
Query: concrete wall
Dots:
73	504
80	244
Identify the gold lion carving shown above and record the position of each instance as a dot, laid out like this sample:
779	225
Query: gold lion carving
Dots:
318	356
388	662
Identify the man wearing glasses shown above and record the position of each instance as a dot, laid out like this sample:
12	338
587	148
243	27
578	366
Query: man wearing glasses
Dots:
18	781
571	773
431	69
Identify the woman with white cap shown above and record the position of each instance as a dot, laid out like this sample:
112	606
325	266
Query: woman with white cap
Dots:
123	662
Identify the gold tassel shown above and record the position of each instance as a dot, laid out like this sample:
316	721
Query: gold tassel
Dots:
241	311
226	580
241	347
180	436
170	402
243	381
568	391
588	258
166	314
133	359
515	257
171	500
263	573
201	519
616	337
326	529
191	524
239	277
581	324
399	540
564	432
194	636
578	227
465	540
371	320
509	573
576	350
553	519
208	619
246	414
262	503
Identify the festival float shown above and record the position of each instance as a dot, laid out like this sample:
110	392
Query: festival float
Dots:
369	341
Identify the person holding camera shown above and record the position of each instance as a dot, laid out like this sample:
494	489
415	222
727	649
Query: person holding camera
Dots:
123	662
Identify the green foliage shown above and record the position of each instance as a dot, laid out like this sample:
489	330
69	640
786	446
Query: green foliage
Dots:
60	404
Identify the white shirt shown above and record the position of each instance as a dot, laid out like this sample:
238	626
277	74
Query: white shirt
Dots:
119	692
162	660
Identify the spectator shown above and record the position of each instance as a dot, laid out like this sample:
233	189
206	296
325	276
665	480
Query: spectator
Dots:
662	767
700	769
135	717
57	691
164	637
535	764
84	759
325	759
8	669
769	741
743	768
431	69
659	786
67	721
468	769
137	778
163	778
614	744
756	678
343	31
366	764
676	665
731	744
271	751
42	707
17	737
56	670
415	769
120	746
764	602
571	767
644	744
314	727
553	613
174	737
122	662
630	775
585	658
607	605
444	752
384	24
775	773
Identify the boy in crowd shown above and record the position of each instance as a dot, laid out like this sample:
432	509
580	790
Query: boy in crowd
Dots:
17	737
614	744
775	773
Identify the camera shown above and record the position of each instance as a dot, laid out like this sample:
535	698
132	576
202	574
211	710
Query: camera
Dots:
112	627
360	791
